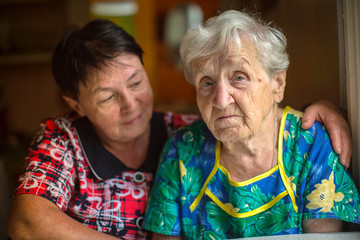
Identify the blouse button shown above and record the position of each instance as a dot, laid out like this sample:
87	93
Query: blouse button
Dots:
139	177
139	222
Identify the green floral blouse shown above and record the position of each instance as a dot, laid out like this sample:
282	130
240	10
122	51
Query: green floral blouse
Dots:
193	195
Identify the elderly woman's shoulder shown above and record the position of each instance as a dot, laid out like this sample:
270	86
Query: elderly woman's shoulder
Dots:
295	117
292	120
295	113
197	129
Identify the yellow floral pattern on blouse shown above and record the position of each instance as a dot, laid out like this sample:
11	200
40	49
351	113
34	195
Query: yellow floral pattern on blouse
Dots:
324	195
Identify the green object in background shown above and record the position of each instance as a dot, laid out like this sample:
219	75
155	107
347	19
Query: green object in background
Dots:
120	12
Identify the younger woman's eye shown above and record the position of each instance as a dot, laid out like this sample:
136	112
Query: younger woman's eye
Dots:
107	99
136	83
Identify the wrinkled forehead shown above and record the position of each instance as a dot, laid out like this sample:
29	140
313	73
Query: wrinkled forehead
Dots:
235	52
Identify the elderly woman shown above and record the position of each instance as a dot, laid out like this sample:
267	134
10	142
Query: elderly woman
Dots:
247	169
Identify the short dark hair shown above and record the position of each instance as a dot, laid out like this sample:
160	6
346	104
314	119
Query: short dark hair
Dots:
84	50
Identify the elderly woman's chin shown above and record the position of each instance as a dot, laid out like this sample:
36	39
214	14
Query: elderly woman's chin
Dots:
231	133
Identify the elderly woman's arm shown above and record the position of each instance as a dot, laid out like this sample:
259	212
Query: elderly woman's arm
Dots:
322	225
33	217
333	119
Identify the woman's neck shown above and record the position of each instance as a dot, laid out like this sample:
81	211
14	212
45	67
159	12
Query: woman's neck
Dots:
132	153
245	160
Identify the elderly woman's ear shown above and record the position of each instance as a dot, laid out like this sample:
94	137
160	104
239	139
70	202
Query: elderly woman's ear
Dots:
279	82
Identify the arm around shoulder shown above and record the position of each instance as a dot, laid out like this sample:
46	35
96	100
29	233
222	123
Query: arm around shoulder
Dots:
335	122
34	217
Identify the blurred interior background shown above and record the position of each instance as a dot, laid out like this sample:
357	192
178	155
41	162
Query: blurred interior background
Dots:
30	29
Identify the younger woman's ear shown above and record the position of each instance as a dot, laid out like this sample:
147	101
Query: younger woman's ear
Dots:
279	86
74	105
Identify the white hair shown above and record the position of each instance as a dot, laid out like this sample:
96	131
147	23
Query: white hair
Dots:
219	34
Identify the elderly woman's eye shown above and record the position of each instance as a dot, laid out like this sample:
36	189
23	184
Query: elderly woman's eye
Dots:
239	78
206	83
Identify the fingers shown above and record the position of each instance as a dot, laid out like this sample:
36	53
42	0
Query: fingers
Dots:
306	123
337	126
346	150
336	139
309	117
341	140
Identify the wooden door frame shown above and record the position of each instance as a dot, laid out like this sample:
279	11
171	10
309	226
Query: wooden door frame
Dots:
349	45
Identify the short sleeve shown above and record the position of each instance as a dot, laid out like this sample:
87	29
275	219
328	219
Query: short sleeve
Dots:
49	165
330	191
163	210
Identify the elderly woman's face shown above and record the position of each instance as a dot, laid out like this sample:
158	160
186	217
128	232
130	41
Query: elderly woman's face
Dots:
235	95
119	100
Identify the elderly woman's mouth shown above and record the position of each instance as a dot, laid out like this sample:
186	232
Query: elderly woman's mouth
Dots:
226	121
227	117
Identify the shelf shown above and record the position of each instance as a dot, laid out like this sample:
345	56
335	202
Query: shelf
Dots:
22	1
30	30
25	58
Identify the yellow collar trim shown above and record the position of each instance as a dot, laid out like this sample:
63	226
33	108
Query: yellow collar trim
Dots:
246	214
212	173
250	181
280	160
264	207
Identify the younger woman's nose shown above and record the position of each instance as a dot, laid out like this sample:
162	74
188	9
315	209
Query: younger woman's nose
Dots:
127	101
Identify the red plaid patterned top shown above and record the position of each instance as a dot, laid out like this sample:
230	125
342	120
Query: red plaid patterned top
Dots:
69	166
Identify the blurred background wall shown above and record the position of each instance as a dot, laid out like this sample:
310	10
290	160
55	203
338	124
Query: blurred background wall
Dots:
30	29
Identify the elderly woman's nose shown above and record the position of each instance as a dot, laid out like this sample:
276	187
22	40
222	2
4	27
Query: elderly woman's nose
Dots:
223	95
